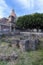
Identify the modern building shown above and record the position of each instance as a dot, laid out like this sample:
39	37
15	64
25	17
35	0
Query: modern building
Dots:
8	24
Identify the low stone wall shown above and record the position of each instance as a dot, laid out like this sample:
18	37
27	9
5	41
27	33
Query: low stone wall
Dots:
32	33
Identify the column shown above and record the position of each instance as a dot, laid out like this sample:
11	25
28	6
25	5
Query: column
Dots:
10	27
0	27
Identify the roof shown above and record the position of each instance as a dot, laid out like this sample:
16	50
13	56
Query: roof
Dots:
13	13
3	20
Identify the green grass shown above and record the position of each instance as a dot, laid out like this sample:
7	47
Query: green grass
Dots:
27	58
31	58
24	58
3	63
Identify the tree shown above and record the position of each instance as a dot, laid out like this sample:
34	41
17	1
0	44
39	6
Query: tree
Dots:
30	21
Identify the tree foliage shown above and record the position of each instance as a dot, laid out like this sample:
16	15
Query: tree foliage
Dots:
30	21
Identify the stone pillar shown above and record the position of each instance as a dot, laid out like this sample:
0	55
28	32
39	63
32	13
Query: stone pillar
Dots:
0	27
10	27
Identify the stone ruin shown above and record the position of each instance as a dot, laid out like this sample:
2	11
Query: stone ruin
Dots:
25	43
29	44
11	57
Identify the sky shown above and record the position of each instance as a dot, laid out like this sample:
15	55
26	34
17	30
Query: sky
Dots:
21	7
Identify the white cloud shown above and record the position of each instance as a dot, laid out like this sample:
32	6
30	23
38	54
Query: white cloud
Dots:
31	5
40	6
26	4
3	8
40	2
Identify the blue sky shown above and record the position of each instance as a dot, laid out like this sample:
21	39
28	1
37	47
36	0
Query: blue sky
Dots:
21	7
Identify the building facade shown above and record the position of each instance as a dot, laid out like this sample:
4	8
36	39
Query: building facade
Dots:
7	25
